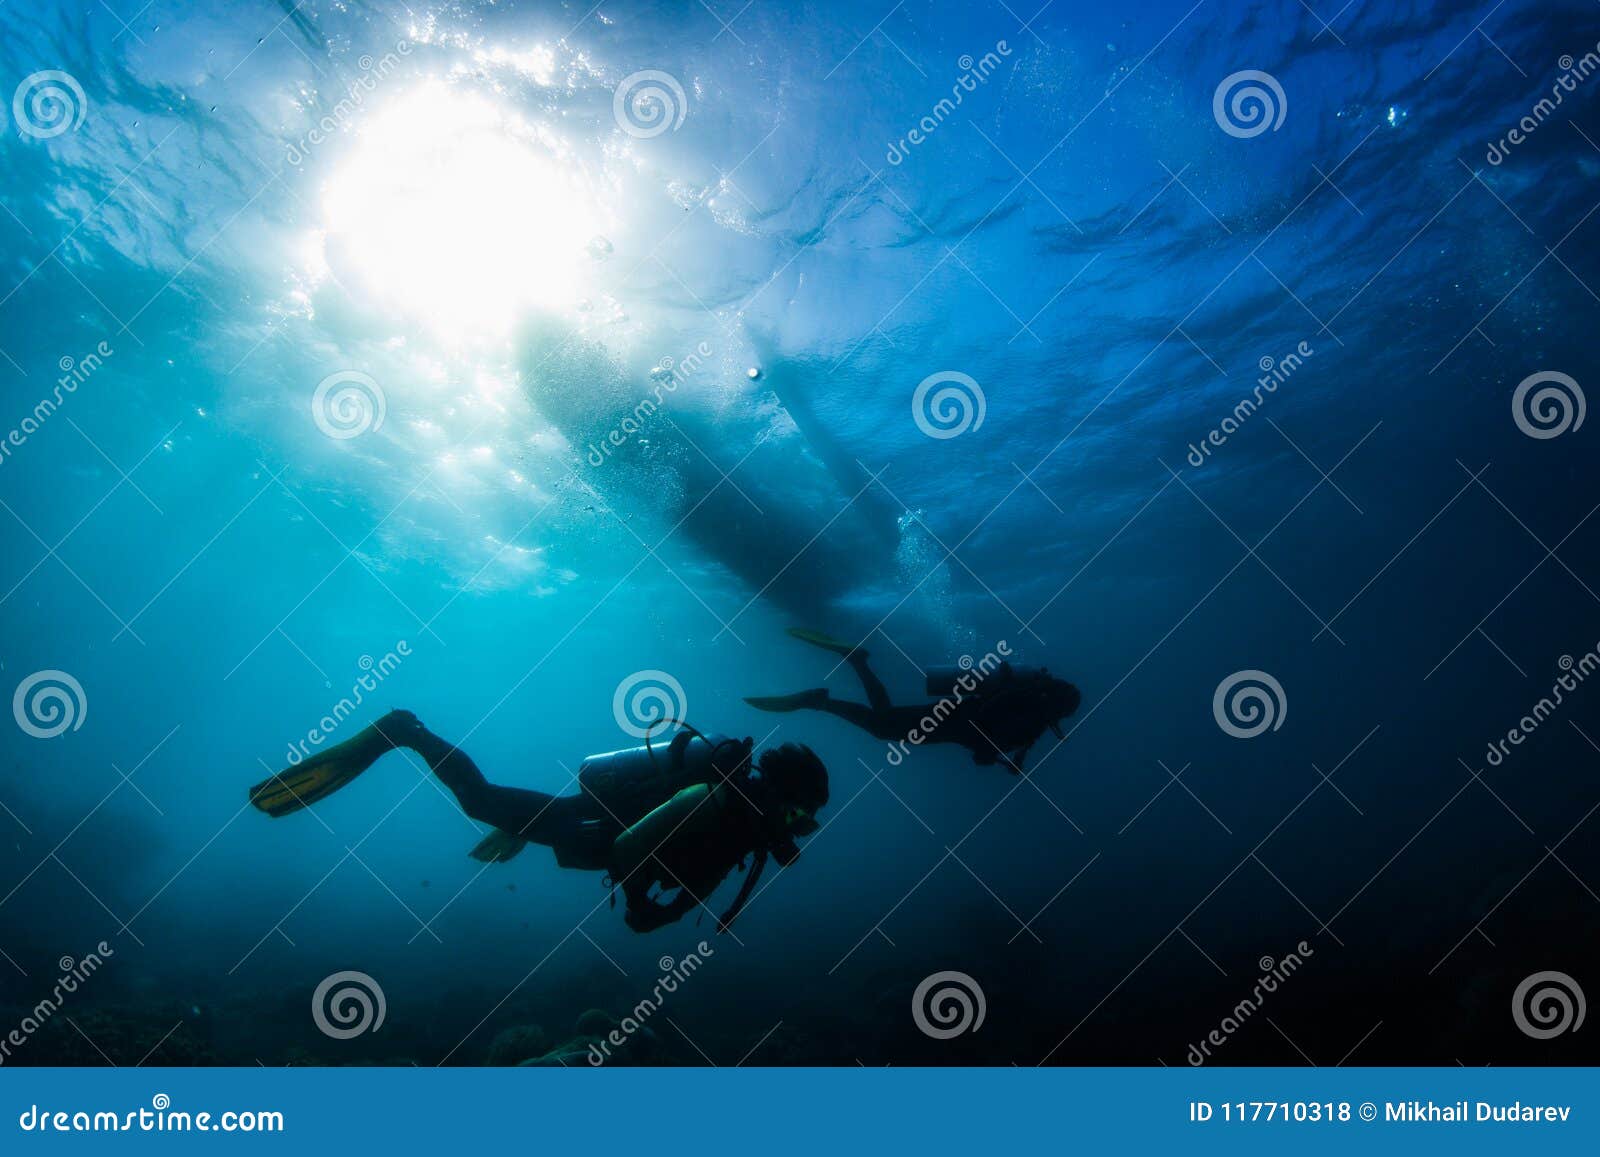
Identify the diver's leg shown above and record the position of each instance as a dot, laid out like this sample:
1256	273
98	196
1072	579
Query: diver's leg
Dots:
885	722
535	816
877	695
319	775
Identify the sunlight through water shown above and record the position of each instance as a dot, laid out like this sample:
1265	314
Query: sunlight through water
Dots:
456	214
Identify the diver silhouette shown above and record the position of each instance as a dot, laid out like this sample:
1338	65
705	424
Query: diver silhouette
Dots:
997	717
675	816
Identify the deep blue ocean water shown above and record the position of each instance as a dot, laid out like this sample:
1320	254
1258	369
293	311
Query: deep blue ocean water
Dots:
338	314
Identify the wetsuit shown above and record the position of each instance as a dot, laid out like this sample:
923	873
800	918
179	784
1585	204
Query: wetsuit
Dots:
690	842
987	722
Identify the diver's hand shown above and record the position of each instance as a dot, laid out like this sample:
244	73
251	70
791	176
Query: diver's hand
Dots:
646	919
648	915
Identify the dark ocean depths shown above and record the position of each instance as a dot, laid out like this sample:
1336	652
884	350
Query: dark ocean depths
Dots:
323	333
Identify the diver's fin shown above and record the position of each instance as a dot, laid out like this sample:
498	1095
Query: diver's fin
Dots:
828	642
796	702
497	847
321	775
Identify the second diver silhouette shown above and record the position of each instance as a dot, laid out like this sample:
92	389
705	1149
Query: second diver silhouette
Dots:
998	721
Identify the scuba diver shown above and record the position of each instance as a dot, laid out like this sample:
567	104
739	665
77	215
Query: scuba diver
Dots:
998	717
678	816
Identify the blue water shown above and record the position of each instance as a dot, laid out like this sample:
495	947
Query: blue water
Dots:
450	211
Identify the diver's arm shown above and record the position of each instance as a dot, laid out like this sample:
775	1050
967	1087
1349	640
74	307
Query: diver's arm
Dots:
634	859
644	914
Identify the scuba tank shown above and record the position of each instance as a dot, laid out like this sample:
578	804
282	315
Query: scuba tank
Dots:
631	782
944	681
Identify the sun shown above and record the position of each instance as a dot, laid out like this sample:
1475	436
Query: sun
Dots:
453	212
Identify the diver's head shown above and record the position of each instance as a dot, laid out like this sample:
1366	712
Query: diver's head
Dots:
1053	699
1063	699
796	783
